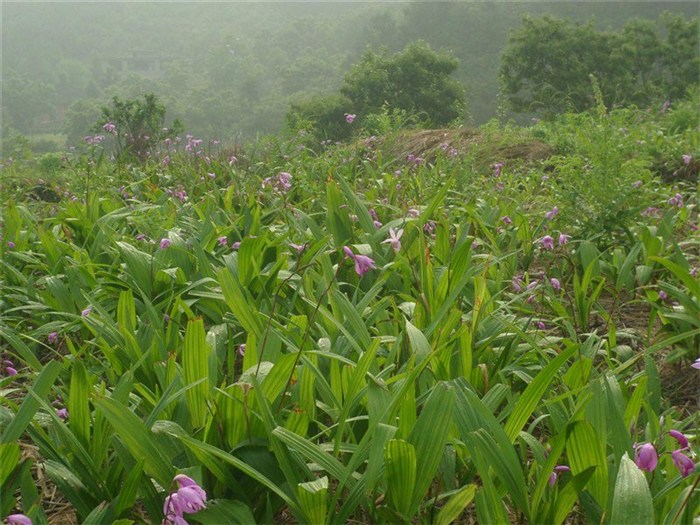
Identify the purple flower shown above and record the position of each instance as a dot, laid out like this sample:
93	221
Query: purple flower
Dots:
541	325
547	242
555	283
680	437
62	413
192	498
497	169
552	213
687	159
241	349
223	240
164	243
645	457
140	236
563	239
506	220
532	285
10	245
683	462
18	519
188	498
637	184
8	367
211	175
663	295
377	224
86	312
297	247
110	128
349	118
696	364
394	239
232	160
517	284
557	470
53	337
236	245
363	264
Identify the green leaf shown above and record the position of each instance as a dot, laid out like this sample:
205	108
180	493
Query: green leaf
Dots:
138	440
40	388
585	449
429	436
195	369
313	500
456	505
530	398
223	511
400	475
632	503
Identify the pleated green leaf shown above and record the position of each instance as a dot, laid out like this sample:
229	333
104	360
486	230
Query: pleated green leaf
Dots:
632	503
195	369
313	500
456	505
400	474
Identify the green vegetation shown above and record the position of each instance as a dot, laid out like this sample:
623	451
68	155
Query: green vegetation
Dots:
547	64
232	70
439	326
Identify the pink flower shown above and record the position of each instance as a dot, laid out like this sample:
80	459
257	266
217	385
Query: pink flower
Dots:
10	245
547	242
62	413
696	364
563	239
363	264
517	284
86	312
680	437
349	118
541	325
645	457
8	367
683	462
164	244
497	169
53	337
687	159
394	239
552	213
236	245
192	498
18	519
555	283
110	128
297	247
557	470
223	240
188	498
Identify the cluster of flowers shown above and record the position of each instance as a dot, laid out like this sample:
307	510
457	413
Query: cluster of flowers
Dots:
282	183
187	499
646	457
92	140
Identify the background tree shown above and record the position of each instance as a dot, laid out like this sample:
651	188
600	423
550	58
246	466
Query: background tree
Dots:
139	125
416	80
546	65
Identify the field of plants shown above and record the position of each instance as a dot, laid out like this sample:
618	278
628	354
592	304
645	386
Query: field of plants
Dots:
493	325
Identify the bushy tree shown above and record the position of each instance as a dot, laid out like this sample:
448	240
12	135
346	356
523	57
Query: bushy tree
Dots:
547	63
323	117
138	125
416	80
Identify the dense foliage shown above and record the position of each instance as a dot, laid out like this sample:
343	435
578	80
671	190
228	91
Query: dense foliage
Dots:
494	325
231	69
548	62
416	81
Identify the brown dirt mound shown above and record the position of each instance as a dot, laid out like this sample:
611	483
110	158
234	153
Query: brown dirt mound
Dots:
427	143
